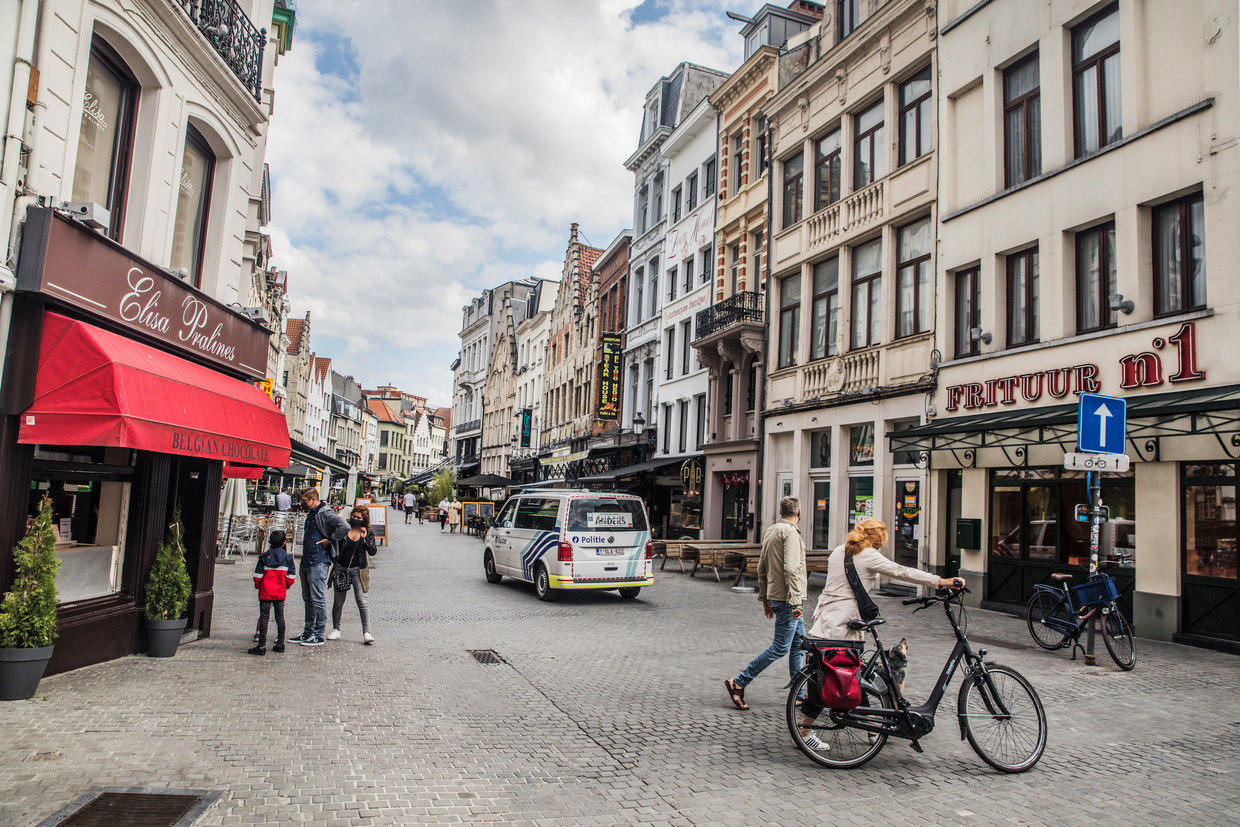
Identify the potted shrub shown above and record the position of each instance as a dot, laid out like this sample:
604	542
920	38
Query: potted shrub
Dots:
28	611
167	594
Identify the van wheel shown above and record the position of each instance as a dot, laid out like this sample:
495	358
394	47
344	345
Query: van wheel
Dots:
542	586
630	592
488	565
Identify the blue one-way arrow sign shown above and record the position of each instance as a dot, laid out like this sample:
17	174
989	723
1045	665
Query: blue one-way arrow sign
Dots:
1101	422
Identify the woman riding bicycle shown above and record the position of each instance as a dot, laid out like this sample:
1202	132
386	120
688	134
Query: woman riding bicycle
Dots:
837	604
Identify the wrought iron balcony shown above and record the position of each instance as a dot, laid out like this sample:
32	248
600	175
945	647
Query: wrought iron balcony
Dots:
472	425
230	32
743	307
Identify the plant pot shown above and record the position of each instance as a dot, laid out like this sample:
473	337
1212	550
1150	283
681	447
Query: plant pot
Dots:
21	670
163	637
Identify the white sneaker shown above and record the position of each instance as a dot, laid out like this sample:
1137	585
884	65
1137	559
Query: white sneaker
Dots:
368	638
813	743
334	634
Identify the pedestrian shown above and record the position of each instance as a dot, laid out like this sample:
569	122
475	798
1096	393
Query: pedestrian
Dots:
781	588
422	504
355	548
409	504
454	515
443	513
284	500
320	546
838	603
274	573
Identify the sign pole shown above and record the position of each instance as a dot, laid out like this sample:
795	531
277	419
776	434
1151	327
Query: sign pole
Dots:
1095	529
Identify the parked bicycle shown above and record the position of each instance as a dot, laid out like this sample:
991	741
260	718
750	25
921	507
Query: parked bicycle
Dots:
997	709
1058	615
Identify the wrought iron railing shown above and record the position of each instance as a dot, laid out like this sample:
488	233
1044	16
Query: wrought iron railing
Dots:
230	32
472	425
742	307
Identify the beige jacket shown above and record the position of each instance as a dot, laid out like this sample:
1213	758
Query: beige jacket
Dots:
837	605
781	567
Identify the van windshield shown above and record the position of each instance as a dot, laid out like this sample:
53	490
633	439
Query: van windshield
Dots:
606	514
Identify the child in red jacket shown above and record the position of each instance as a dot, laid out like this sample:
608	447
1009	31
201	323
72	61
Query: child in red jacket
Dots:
273	576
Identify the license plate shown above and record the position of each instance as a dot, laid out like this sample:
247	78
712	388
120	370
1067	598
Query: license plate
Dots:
610	552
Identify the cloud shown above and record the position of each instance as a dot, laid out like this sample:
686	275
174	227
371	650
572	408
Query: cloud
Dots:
422	151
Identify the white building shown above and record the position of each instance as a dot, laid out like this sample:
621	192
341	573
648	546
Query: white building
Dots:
532	335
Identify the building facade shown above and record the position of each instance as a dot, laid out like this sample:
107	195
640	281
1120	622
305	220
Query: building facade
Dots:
532	336
500	391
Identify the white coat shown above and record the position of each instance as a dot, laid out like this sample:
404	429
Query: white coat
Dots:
837	605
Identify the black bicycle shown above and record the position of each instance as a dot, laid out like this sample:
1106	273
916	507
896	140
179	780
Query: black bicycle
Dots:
997	709
1059	615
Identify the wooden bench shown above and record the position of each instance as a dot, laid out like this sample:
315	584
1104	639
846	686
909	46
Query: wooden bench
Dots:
746	562
714	554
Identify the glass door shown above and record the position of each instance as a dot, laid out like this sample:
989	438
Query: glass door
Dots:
822	514
907	535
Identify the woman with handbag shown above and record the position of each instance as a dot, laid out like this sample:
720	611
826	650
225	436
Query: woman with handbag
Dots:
850	568
350	572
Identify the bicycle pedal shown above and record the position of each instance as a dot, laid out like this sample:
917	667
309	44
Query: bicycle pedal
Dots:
916	746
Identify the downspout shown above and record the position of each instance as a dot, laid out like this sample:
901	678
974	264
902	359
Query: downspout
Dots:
760	403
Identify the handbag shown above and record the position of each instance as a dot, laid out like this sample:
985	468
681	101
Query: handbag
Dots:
836	667
867	607
341	580
364	576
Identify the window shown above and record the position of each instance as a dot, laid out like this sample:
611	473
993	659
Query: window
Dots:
193	202
1180	256
691	184
847	15
867	284
658	198
1022	121
1022	295
826	308
669	353
105	143
1095	278
827	163
537	514
684	425
820	449
706	264
789	319
968	314
689	262
667	428
654	286
649	390
868	154
914	283
1096	82
794	174
915	117
671	283
637	301
751	386
738	157
736	267
701	419
643	208
711	180
676	199
1209	519
686	336
726	378
759	145
383	439
757	260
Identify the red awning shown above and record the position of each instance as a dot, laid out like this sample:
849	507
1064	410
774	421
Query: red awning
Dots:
97	388
242	472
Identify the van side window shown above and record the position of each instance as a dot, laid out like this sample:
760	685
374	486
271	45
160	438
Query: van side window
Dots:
504	520
527	513
547	518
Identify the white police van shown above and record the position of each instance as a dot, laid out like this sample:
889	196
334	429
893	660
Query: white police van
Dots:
571	539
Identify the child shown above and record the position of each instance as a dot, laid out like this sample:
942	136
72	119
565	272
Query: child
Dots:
273	576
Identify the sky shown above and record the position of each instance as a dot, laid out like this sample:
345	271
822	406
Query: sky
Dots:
423	150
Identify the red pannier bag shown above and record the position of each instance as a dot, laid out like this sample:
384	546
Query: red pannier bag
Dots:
838	663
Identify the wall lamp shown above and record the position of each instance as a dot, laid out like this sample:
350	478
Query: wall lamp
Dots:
1116	302
976	334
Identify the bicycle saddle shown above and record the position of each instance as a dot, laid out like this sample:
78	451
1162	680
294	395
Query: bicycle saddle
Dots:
860	625
1060	577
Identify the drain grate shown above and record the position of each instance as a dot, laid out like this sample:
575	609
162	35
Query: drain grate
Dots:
488	656
136	807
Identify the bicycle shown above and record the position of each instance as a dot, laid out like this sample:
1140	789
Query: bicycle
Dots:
998	710
1051	612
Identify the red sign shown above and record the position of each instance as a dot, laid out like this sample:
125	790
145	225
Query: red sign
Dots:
76	266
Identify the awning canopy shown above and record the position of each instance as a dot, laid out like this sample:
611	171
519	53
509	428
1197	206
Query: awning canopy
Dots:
242	472
317	459
628	470
94	387
486	481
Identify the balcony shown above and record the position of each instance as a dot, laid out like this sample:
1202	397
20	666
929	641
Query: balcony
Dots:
472	425
234	38
734	310
855	212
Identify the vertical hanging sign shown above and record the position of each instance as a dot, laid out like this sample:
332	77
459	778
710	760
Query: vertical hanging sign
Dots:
527	426
608	403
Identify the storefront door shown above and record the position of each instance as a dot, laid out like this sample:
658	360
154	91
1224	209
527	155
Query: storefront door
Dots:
907	535
735	505
1211	601
822	514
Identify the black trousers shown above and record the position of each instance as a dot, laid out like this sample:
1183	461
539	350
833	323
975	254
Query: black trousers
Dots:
264	612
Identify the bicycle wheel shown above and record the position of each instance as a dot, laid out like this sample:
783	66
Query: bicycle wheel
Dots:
1117	635
1044	606
840	746
1011	740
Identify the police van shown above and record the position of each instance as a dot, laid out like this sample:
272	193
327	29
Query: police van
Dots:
571	539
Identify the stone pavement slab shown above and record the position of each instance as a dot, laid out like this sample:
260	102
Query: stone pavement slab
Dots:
604	711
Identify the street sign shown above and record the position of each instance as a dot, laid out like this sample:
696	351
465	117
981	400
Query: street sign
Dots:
1101	422
1115	463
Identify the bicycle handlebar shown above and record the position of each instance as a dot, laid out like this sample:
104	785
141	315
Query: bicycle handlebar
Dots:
945	593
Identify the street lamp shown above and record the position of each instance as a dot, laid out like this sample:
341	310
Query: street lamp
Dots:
639	424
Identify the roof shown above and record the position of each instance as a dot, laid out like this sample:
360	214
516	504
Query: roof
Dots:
322	368
294	333
381	409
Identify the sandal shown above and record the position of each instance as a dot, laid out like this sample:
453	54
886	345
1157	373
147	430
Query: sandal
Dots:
737	693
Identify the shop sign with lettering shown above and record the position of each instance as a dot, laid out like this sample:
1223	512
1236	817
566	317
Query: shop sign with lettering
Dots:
608	402
76	266
691	475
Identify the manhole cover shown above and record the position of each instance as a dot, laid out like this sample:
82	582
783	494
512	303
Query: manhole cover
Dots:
135	807
486	656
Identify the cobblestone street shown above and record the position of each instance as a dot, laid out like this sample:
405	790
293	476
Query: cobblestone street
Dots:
605	711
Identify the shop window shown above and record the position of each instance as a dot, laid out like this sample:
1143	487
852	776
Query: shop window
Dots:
105	142
189	231
1210	538
904	457
820	449
861	445
822	514
860	499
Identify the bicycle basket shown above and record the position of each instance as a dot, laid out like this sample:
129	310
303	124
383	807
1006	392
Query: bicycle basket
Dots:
1100	588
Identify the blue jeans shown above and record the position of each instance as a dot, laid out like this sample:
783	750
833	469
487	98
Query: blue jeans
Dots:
314	596
789	632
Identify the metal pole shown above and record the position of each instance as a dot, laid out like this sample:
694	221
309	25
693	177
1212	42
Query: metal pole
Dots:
1095	529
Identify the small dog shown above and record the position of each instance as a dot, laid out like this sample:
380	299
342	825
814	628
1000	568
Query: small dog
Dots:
897	658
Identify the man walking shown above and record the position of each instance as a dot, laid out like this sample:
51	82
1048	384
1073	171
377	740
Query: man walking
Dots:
410	502
781	588
320	545
421	505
